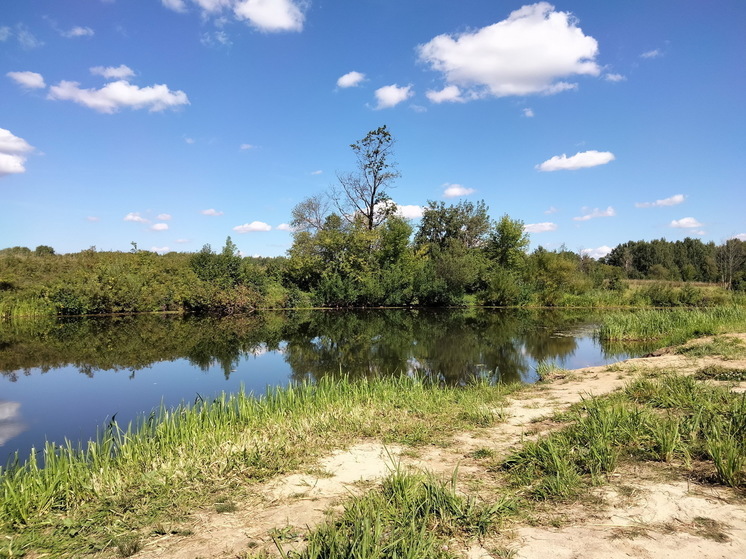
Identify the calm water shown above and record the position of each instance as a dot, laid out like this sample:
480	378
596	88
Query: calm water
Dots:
63	379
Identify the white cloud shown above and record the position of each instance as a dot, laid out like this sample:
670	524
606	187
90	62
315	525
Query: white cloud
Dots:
164	217
410	211
597	252
30	80
115	95
159	227
93	218
672	201
252	227
580	160
740	237
12	153
527	53
608	212
351	79
284	227
391	95
528	112
318	172
78	32
211	211
455	190
159	250
175	5
120	72
685	223
246	147
25	38
540	227
655	53
271	15
551	210
182	241
189	141
5	33
614	77
450	93
136	217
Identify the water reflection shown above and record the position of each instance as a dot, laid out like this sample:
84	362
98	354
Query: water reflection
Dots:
10	421
448	346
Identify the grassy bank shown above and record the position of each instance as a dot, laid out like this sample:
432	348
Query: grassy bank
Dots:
674	326
93	499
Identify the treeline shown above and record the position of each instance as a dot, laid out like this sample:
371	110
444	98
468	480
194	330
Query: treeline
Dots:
457	255
687	260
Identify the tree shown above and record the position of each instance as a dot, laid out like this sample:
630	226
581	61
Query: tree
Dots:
507	243
363	194
311	213
465	223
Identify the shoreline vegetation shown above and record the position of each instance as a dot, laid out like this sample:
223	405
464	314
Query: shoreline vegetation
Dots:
136	483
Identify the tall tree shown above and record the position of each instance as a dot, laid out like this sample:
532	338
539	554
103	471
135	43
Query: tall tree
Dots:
363	193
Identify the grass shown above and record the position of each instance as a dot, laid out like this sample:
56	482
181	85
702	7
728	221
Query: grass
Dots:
410	515
673	326
175	460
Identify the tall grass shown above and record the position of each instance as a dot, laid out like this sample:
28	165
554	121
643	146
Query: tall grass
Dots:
172	459
671	326
667	419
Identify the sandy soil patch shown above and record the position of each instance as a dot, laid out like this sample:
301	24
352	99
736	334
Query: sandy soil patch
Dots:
638	515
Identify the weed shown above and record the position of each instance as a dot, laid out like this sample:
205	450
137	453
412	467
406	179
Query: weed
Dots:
128	544
718	372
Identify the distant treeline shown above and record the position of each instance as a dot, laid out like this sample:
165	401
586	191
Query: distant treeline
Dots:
456	256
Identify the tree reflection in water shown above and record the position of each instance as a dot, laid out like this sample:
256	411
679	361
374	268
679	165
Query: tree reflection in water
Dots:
450	346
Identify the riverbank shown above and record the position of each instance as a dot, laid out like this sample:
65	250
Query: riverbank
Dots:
644	506
240	499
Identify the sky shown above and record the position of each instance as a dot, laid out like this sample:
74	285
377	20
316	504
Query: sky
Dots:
177	123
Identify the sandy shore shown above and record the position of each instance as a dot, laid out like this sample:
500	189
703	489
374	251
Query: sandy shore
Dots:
648	510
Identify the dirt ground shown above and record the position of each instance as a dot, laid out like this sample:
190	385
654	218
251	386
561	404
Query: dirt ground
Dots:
644	511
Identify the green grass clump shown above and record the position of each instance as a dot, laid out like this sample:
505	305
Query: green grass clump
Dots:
671	418
671	326
410	516
726	347
175	460
718	372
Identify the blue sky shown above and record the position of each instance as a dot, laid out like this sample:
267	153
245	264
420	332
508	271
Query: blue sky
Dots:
175	123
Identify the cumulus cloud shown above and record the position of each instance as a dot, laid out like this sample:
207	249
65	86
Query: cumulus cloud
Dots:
540	227
265	15
614	77
211	211
164	217
672	201
120	72
284	227
160	250
685	223
78	32
456	190
450	93
596	253
551	210
580	160
136	217
119	94
740	237
351	79
271	15
608	212
528	112
159	227
252	227
410	211
29	80
12	153
391	95
529	52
